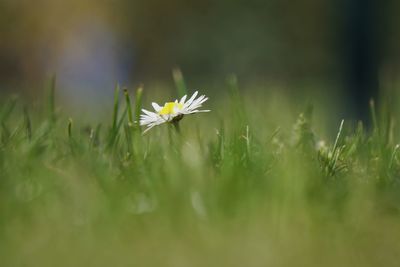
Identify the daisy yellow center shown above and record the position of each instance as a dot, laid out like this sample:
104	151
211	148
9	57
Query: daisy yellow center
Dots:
170	108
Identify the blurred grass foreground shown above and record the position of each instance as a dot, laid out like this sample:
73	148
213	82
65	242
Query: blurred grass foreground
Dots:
244	185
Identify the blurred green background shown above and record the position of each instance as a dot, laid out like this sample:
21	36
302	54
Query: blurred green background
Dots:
342	47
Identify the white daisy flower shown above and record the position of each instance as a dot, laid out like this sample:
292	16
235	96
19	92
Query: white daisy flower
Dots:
172	111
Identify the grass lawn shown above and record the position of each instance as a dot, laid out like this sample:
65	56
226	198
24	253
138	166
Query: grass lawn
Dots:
248	184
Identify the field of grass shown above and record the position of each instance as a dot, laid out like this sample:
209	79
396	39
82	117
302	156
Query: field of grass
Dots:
247	184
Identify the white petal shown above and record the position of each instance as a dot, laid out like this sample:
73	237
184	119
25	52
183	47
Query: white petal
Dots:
149	113
156	107
182	101
199	111
195	111
192	98
196	103
147	120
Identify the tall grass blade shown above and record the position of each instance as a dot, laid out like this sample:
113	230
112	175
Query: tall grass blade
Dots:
336	144
236	100
115	108
179	82
51	99
69	129
128	107
138	105
375	126
28	123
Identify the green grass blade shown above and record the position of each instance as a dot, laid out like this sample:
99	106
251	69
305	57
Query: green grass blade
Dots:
179	82
28	123
128	107
69	130
115	108
51	99
374	117
237	101
128	136
138	105
336	144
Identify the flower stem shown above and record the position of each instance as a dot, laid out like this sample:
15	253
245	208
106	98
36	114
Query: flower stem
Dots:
177	127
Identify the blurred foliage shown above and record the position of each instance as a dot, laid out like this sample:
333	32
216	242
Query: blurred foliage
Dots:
258	40
247	184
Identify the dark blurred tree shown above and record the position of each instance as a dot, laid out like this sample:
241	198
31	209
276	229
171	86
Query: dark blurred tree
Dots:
360	43
363	36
